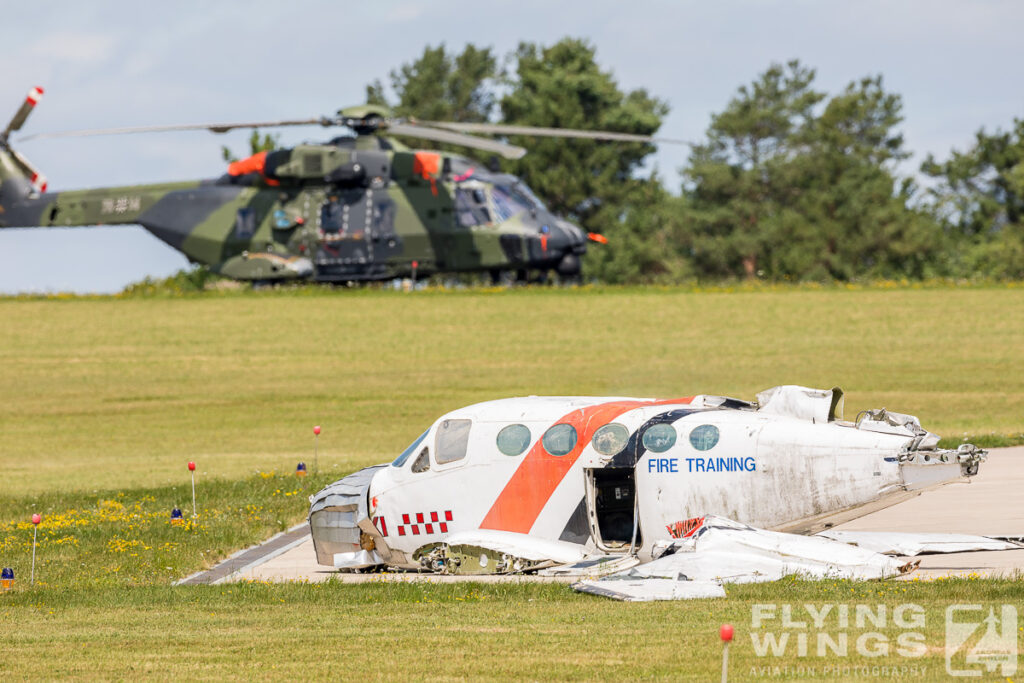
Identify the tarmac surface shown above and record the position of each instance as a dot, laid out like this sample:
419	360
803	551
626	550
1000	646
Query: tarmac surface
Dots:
989	504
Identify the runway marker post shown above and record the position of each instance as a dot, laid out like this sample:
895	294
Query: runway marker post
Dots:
36	518
316	449
725	633
192	470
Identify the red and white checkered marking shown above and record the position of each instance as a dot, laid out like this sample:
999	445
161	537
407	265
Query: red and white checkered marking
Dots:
34	95
427	523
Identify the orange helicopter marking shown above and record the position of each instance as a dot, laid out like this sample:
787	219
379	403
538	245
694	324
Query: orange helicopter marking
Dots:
257	163
521	501
427	165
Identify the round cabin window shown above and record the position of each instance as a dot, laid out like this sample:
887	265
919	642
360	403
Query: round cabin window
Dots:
513	439
559	439
659	438
610	439
704	438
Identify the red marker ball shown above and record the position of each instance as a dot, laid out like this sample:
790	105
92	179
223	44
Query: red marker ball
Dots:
191	466
725	632
36	518
316	430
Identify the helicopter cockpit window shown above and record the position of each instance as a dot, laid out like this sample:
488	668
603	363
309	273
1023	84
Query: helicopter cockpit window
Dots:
525	190
452	440
407	453
471	207
509	201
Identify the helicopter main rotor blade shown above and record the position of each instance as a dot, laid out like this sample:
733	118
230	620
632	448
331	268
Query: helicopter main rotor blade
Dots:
213	127
503	129
414	130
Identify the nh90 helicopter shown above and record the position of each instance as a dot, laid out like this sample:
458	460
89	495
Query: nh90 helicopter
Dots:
357	208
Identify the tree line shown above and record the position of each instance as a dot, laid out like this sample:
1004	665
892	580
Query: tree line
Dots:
788	183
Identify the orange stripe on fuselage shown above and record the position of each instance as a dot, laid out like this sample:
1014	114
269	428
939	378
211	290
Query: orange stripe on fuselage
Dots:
540	473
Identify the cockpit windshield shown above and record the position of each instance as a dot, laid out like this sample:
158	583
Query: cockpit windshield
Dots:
400	460
522	187
511	200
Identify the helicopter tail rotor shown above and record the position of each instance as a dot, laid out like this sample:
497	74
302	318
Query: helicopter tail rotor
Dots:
15	170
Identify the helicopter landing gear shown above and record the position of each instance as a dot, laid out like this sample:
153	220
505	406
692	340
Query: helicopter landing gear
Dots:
569	266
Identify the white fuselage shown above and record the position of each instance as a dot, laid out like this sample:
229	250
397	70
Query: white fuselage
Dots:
679	459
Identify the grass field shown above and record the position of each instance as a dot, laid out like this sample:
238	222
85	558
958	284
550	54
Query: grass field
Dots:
104	400
468	631
112	393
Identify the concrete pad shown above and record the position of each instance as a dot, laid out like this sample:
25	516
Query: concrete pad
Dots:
1008	564
992	504
299	564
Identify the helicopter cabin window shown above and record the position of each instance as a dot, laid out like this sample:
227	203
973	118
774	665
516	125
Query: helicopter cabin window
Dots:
559	439
471	207
513	439
452	440
332	216
407	453
245	223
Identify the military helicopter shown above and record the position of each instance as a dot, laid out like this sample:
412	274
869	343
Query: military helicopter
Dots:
357	208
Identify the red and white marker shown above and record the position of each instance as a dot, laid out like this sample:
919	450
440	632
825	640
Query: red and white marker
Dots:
725	633
39	182
192	470
316	449
36	518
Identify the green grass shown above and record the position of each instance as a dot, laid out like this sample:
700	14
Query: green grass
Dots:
104	400
450	632
114	393
125	538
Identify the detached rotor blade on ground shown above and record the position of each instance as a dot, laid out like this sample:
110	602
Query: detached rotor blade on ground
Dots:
214	127
454	138
503	129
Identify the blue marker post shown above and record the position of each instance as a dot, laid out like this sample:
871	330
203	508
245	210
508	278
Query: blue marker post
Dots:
7	579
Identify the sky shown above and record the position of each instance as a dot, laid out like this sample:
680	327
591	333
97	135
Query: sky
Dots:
959	66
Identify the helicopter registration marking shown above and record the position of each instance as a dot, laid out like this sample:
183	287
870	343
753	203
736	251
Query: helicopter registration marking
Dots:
118	205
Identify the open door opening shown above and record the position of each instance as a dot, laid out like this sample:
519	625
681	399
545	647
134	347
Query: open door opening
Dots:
611	503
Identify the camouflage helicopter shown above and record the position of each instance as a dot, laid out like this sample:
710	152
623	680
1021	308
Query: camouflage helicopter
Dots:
357	208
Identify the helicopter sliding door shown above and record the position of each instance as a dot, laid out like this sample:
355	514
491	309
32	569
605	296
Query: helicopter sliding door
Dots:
357	235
